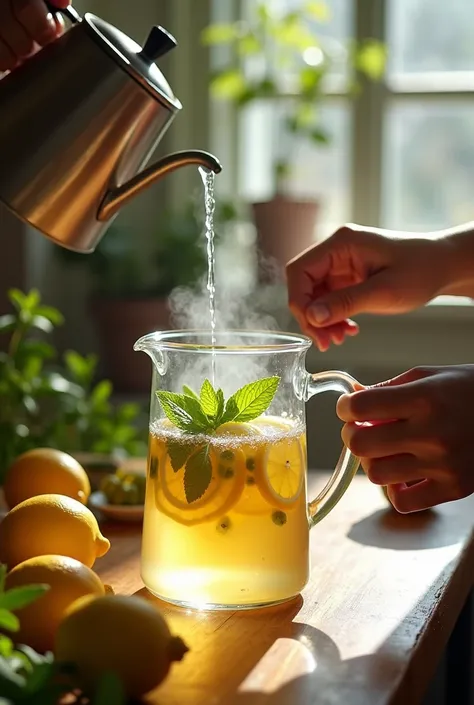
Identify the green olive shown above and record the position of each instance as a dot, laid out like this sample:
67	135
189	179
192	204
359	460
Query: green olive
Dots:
131	495
109	484
118	495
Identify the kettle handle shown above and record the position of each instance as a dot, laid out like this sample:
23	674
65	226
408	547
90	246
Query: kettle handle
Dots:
69	12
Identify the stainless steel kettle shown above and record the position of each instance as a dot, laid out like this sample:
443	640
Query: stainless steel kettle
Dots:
78	123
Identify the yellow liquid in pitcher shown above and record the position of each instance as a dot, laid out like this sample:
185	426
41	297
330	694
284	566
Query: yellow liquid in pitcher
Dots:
244	542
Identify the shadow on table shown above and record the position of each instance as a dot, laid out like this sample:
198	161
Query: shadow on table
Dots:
281	646
406	532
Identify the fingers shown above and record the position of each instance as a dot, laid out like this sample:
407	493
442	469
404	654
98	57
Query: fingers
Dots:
401	401
8	59
379	441
323	337
345	302
13	32
415	498
36	20
25	25
396	469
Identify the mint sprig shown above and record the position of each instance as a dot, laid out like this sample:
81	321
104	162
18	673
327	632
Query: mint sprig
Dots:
203	414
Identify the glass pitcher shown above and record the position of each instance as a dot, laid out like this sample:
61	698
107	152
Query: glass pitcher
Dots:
226	523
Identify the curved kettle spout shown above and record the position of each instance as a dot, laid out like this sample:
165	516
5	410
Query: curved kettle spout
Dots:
118	197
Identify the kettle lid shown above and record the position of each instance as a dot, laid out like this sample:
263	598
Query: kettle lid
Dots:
137	61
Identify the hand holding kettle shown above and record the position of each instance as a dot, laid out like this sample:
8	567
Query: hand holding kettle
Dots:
25	27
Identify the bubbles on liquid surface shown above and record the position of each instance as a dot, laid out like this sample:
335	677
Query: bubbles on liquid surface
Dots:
269	433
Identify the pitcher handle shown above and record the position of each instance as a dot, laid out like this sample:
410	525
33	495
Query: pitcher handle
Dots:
347	465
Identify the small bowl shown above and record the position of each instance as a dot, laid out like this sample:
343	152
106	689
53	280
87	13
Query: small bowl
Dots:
117	512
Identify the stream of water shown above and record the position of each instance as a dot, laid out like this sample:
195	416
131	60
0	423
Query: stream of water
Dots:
208	178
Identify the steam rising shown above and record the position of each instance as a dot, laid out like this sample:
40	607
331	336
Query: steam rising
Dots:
241	303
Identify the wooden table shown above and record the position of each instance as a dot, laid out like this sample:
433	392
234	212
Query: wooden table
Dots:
384	597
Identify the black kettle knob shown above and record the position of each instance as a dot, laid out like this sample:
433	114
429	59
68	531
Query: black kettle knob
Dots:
158	43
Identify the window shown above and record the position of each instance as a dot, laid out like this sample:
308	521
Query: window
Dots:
316	171
402	155
427	161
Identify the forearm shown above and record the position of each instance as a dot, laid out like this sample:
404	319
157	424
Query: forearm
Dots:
459	259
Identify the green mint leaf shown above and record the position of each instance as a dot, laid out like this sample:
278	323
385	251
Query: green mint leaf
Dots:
255	398
188	392
40	677
200	418
220	408
209	400
9	621
197	474
176	408
11	684
231	411
6	646
179	452
19	597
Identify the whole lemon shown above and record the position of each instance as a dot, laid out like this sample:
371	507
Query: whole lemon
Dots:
51	524
125	635
68	580
45	471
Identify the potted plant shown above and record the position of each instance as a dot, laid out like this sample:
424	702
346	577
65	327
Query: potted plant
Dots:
131	285
56	402
279	56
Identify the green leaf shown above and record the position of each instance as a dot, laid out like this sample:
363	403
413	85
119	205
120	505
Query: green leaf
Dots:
263	13
6	646
101	392
252	400
40	676
208	399
17	298
9	621
19	597
177	408
249	44
179	452
3	575
32	300
52	314
197	474
42	323
11	684
319	136
81	368
229	84
109	690
220	407
33	656
220	33
293	34
371	59
317	10
7	323
37	348
310	80
187	391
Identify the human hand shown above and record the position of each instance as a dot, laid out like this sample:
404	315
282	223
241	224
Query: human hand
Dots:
362	270
25	27
415	428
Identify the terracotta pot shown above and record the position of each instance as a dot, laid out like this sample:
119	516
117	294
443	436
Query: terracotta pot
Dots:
119	324
285	227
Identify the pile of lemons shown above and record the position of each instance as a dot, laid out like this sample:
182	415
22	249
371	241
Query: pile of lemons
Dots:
50	537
